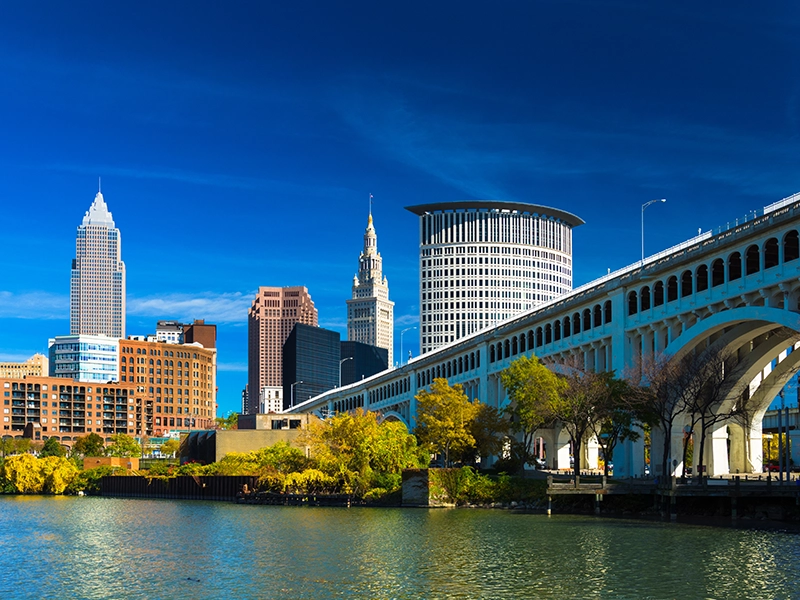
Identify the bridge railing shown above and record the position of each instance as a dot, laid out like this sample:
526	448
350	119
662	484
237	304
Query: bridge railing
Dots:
781	203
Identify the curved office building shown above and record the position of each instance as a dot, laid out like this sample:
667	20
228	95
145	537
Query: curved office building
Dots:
484	261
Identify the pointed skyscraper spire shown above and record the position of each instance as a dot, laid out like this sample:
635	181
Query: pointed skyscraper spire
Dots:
97	284
370	313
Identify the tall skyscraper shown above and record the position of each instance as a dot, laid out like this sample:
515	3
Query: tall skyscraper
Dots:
482	262
370	313
97	285
271	318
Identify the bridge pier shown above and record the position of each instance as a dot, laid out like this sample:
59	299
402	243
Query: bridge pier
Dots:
718	461
629	457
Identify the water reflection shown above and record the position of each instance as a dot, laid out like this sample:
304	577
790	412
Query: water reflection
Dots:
110	548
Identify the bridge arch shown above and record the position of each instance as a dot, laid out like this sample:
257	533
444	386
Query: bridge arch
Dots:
718	322
392	415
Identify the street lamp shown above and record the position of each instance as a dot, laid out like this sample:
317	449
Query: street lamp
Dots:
401	342
340	368
291	393
645	205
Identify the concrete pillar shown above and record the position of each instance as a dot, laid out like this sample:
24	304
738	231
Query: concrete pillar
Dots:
562	450
717	461
737	457
794	445
629	457
756	445
591	451
550	447
483	373
676	449
656	450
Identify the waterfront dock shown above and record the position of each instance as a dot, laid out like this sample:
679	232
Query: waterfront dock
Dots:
763	489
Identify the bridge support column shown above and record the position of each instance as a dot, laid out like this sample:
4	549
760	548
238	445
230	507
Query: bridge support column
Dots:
717	463
591	450
756	443
550	439
794	446
562	450
629	457
675	458
737	456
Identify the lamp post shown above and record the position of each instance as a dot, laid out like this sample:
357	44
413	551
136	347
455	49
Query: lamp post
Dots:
291	393
645	205
401	342
341	362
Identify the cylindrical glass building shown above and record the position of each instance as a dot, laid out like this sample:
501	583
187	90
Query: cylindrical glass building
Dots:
484	261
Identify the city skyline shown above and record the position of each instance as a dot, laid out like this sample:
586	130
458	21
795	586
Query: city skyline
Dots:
238	145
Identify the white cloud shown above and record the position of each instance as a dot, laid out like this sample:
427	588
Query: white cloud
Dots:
407	320
232	367
333	324
33	305
230	307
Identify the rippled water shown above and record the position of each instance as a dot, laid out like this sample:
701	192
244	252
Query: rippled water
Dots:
57	547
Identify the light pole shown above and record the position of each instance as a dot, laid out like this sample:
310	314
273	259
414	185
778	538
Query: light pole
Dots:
401	342
340	368
645	205
291	393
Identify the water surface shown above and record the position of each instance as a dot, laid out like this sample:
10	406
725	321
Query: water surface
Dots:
68	547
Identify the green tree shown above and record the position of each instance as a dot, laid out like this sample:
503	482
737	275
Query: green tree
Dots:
491	429
10	445
532	389
229	422
123	446
577	404
89	480
444	420
88	445
170	447
281	457
359	453
396	449
52	448
618	416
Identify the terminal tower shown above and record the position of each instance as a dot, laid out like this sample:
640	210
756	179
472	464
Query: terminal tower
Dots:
370	313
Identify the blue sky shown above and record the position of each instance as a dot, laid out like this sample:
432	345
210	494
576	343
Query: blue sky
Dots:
239	142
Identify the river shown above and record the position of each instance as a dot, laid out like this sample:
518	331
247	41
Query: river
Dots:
70	547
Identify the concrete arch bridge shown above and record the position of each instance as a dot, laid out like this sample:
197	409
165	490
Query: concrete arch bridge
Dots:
736	288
